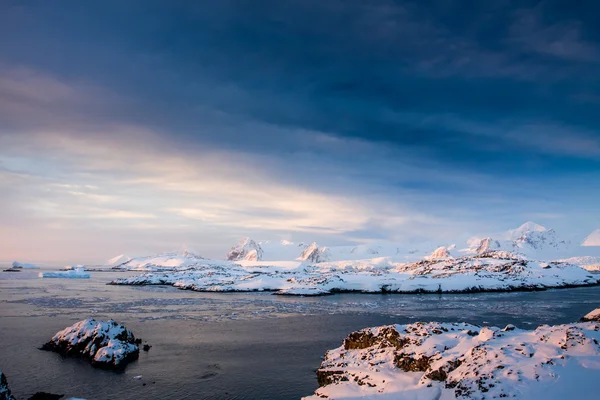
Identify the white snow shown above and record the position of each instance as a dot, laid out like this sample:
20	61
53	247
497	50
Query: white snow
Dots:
77	273
593	239
118	260
106	343
443	361
17	264
491	271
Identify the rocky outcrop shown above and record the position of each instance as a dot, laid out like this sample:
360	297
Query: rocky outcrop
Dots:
457	360
592	316
106	343
5	393
246	249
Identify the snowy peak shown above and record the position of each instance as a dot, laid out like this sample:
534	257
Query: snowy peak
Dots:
524	229
539	240
315	254
439	253
246	249
593	239
487	244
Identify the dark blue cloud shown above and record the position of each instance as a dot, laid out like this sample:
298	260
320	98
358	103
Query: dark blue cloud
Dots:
469	86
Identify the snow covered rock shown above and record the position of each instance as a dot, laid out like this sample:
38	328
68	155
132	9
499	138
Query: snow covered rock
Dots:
315	254
457	360
20	265
106	343
246	249
593	239
592	316
77	273
5	393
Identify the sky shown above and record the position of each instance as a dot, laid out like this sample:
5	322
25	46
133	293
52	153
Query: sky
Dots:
145	126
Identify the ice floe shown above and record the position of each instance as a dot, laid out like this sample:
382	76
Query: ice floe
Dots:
77	273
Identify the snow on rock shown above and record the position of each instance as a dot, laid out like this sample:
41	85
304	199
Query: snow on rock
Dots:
315	254
462	361
490	271
593	239
592	316
440	252
77	273
5	393
106	343
246	249
118	260
19	265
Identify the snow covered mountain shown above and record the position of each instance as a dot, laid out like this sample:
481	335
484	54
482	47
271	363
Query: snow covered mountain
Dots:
593	239
246	249
315	254
530	239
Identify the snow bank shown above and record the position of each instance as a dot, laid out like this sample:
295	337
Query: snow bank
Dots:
107	343
77	273
457	360
5	393
17	264
491	271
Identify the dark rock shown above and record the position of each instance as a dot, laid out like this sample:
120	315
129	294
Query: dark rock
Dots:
146	347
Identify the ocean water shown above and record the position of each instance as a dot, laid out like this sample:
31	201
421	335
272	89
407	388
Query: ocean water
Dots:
225	345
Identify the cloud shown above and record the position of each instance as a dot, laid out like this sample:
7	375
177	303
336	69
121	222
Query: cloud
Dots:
562	39
337	121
